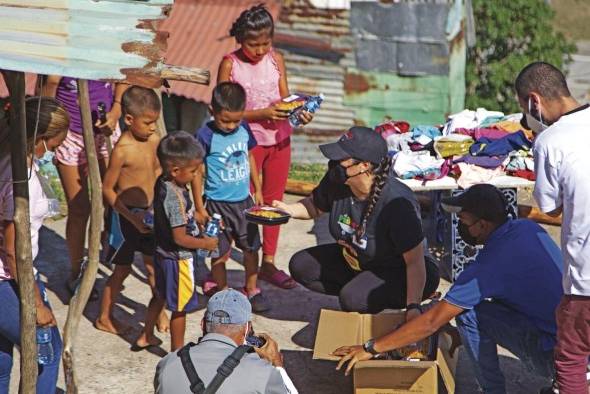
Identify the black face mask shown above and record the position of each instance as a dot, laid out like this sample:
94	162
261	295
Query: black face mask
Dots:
465	235
337	174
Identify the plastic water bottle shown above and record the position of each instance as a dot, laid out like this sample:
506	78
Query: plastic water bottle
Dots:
45	353
148	219
212	230
53	205
311	105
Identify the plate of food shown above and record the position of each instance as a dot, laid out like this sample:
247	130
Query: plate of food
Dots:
268	216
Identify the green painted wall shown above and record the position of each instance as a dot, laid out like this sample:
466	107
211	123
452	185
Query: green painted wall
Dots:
418	100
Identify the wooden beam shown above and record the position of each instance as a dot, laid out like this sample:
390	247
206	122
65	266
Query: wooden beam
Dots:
154	77
15	81
186	74
299	188
80	298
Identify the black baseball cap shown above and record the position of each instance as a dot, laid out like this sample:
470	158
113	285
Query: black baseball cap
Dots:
483	200
361	143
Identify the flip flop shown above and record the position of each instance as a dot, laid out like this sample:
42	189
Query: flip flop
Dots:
136	348
280	279
210	287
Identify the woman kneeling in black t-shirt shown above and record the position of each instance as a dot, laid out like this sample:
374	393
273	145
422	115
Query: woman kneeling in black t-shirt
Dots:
378	261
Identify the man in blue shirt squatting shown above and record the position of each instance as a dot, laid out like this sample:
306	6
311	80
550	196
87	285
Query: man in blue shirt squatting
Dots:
506	297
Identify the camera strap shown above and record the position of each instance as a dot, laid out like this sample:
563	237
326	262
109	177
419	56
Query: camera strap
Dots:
225	369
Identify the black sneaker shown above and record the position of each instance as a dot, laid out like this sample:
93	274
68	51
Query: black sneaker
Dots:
259	303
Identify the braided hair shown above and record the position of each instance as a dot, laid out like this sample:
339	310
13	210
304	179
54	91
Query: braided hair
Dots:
381	175
252	20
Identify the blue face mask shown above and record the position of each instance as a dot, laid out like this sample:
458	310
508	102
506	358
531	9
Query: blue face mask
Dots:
46	158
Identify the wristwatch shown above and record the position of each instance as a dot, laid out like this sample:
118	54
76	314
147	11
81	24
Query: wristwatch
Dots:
369	347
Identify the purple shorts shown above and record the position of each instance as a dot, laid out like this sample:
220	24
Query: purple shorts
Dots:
175	283
71	151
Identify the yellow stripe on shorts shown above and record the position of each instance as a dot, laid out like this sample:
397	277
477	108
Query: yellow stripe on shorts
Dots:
186	282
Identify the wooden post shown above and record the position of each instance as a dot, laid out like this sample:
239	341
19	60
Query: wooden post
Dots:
161	125
15	81
80	298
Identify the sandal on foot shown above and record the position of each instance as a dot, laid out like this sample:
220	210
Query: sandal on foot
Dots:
280	279
136	348
210	287
257	300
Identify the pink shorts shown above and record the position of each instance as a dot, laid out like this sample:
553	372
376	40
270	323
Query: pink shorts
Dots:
71	151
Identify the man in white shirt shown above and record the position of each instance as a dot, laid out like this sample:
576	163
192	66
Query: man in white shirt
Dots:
562	166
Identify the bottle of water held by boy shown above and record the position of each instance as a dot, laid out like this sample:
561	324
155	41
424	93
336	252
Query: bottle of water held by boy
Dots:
211	230
45	353
311	105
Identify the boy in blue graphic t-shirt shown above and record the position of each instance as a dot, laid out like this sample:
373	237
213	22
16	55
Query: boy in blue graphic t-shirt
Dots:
228	168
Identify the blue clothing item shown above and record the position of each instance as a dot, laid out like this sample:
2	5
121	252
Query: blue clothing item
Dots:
490	121
519	266
428	131
10	336
490	324
115	235
503	146
227	162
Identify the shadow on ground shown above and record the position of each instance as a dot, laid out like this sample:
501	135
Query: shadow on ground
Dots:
57	272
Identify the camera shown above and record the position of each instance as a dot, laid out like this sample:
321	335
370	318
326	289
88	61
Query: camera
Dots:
255	341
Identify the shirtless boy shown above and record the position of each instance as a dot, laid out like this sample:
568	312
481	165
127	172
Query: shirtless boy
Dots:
128	187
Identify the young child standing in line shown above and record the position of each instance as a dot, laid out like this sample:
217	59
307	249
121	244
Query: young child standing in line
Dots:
229	167
261	71
129	188
176	233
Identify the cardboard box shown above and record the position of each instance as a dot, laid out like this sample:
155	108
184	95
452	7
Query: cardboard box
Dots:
337	329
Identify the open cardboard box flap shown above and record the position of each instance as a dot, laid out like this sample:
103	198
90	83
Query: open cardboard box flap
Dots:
447	361
337	329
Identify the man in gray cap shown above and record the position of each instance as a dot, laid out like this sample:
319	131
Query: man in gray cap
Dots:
226	325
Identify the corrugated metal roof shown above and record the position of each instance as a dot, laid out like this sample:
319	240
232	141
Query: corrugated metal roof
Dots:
321	70
105	39
199	36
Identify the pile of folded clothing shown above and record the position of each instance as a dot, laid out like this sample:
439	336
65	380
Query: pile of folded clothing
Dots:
472	146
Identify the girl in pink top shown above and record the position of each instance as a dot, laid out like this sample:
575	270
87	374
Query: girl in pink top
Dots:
261	71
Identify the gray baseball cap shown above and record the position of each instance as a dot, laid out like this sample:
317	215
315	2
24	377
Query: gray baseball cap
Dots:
228	307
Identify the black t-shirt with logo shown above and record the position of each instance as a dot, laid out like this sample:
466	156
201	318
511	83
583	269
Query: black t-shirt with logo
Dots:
393	228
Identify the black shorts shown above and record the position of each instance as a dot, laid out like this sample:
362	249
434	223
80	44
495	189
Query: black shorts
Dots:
237	228
133	241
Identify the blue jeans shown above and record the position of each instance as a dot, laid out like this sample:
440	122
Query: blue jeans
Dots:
490	324
10	336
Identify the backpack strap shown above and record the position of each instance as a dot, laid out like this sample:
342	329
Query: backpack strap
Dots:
227	367
197	385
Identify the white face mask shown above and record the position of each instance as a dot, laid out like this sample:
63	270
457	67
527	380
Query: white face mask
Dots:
537	126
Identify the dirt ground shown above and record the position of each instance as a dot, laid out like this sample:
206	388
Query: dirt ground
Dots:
106	365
